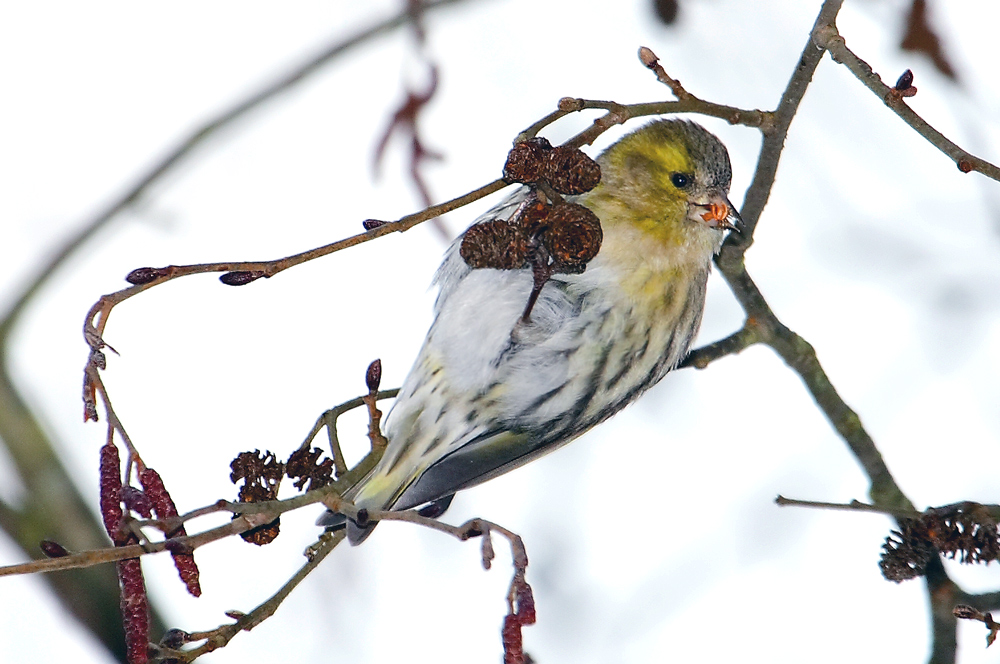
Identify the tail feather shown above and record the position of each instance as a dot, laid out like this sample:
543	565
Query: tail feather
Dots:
357	534
332	520
336	521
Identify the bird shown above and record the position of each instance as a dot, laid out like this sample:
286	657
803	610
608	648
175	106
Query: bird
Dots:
494	388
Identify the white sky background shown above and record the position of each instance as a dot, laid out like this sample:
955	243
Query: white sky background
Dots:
652	538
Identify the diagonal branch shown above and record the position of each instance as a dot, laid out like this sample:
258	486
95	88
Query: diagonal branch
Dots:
187	145
774	140
763	326
828	37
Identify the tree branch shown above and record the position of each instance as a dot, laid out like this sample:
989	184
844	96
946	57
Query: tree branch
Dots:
827	37
187	145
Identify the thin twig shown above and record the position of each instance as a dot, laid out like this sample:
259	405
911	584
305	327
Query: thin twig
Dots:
982	601
826	36
96	319
798	353
247	517
738	341
651	62
221	636
187	145
853	506
329	420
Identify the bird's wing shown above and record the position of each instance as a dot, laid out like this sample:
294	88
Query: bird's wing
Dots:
489	392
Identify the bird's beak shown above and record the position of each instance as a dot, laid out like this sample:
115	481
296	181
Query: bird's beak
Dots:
720	213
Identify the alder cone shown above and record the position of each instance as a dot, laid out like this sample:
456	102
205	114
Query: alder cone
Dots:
573	237
494	244
262	535
267	533
570	171
526	161
532	219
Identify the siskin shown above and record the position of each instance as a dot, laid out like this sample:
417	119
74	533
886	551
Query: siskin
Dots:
494	387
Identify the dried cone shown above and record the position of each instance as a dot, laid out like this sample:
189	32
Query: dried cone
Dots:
570	171
263	535
494	244
526	161
267	533
573	237
532	219
304	466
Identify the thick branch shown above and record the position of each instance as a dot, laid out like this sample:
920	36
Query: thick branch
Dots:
774	141
942	596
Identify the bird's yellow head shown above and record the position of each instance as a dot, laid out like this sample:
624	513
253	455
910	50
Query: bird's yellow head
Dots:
669	179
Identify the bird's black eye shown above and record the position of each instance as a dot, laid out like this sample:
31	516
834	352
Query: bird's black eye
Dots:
680	180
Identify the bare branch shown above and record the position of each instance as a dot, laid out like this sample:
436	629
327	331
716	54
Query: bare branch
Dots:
187	145
248	516
853	506
221	636
827	37
700	358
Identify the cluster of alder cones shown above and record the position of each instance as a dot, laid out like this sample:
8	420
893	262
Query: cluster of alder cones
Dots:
553	236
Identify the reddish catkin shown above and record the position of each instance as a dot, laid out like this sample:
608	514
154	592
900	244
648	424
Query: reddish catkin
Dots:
137	501
524	600
111	491
164	508
513	646
135	610
525	604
